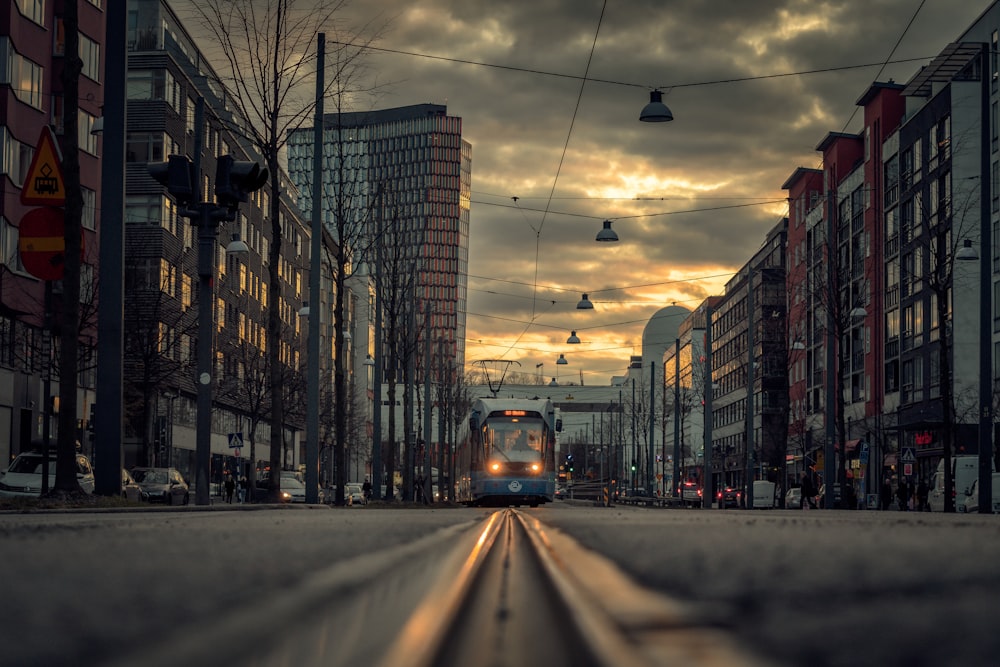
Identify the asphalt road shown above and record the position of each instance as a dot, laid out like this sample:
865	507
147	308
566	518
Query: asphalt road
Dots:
813	588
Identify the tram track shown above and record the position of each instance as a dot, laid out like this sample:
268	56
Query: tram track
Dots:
501	590
526	594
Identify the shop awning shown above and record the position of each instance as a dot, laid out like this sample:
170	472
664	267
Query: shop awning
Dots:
849	446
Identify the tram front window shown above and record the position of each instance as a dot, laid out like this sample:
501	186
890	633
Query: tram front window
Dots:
516	441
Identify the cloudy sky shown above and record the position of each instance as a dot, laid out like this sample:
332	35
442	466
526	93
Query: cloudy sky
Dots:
551	110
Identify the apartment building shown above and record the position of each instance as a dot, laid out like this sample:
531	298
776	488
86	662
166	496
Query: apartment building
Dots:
32	49
167	76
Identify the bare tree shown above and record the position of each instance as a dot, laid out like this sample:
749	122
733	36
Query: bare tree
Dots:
269	61
396	281
157	332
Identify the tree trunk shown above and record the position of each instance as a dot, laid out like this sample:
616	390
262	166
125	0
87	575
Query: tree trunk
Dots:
66	481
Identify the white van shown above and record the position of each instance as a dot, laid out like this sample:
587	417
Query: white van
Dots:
763	495
965	471
971	503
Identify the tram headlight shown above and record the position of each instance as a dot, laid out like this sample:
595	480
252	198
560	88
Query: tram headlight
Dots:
495	466
536	467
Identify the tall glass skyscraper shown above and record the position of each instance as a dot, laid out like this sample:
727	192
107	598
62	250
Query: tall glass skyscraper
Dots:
403	175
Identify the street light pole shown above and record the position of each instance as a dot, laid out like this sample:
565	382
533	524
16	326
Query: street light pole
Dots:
707	482
748	492
315	313
985	315
677	418
652	423
111	254
635	443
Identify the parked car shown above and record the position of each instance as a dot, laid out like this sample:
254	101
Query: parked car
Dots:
163	485
131	491
354	494
728	497
793	499
23	478
971	503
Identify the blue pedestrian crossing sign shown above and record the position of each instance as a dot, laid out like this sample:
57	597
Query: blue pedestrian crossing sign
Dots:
236	440
908	455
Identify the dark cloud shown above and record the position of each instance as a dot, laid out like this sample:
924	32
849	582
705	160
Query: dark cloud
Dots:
732	143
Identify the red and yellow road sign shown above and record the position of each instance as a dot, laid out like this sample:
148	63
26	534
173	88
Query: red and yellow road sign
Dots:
42	243
44	185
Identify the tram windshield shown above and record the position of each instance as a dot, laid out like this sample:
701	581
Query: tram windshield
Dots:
519	439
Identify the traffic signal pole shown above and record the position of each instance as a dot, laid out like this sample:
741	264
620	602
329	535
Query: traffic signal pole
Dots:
233	181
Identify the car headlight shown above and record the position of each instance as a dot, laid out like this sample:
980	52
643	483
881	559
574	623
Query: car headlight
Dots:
285	496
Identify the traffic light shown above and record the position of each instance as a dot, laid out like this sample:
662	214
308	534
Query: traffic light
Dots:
234	180
177	175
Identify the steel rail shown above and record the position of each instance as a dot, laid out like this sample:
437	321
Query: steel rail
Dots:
528	594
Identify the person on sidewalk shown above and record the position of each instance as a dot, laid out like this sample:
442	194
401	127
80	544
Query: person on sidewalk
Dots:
230	488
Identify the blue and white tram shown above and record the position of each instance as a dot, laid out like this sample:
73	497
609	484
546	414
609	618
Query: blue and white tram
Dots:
508	456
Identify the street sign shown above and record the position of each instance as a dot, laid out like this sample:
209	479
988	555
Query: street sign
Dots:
44	184
42	243
907	469
236	440
908	455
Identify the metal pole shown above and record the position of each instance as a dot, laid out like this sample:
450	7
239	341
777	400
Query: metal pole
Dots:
207	242
377	461
428	407
600	456
312	367
748	493
677	416
650	458
830	416
707	482
635	443
108	413
47	387
985	317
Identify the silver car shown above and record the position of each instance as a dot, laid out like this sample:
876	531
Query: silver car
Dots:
163	485
23	478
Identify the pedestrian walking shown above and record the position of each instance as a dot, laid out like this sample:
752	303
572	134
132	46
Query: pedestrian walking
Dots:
922	504
808	492
886	494
903	495
241	489
230	488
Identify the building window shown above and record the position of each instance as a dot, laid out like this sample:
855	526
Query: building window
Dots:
16	157
151	85
88	219
23	75
35	10
86	140
10	257
144	147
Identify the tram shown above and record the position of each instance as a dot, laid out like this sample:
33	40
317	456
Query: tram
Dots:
507	455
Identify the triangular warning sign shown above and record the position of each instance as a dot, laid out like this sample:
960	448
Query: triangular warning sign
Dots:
44	185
